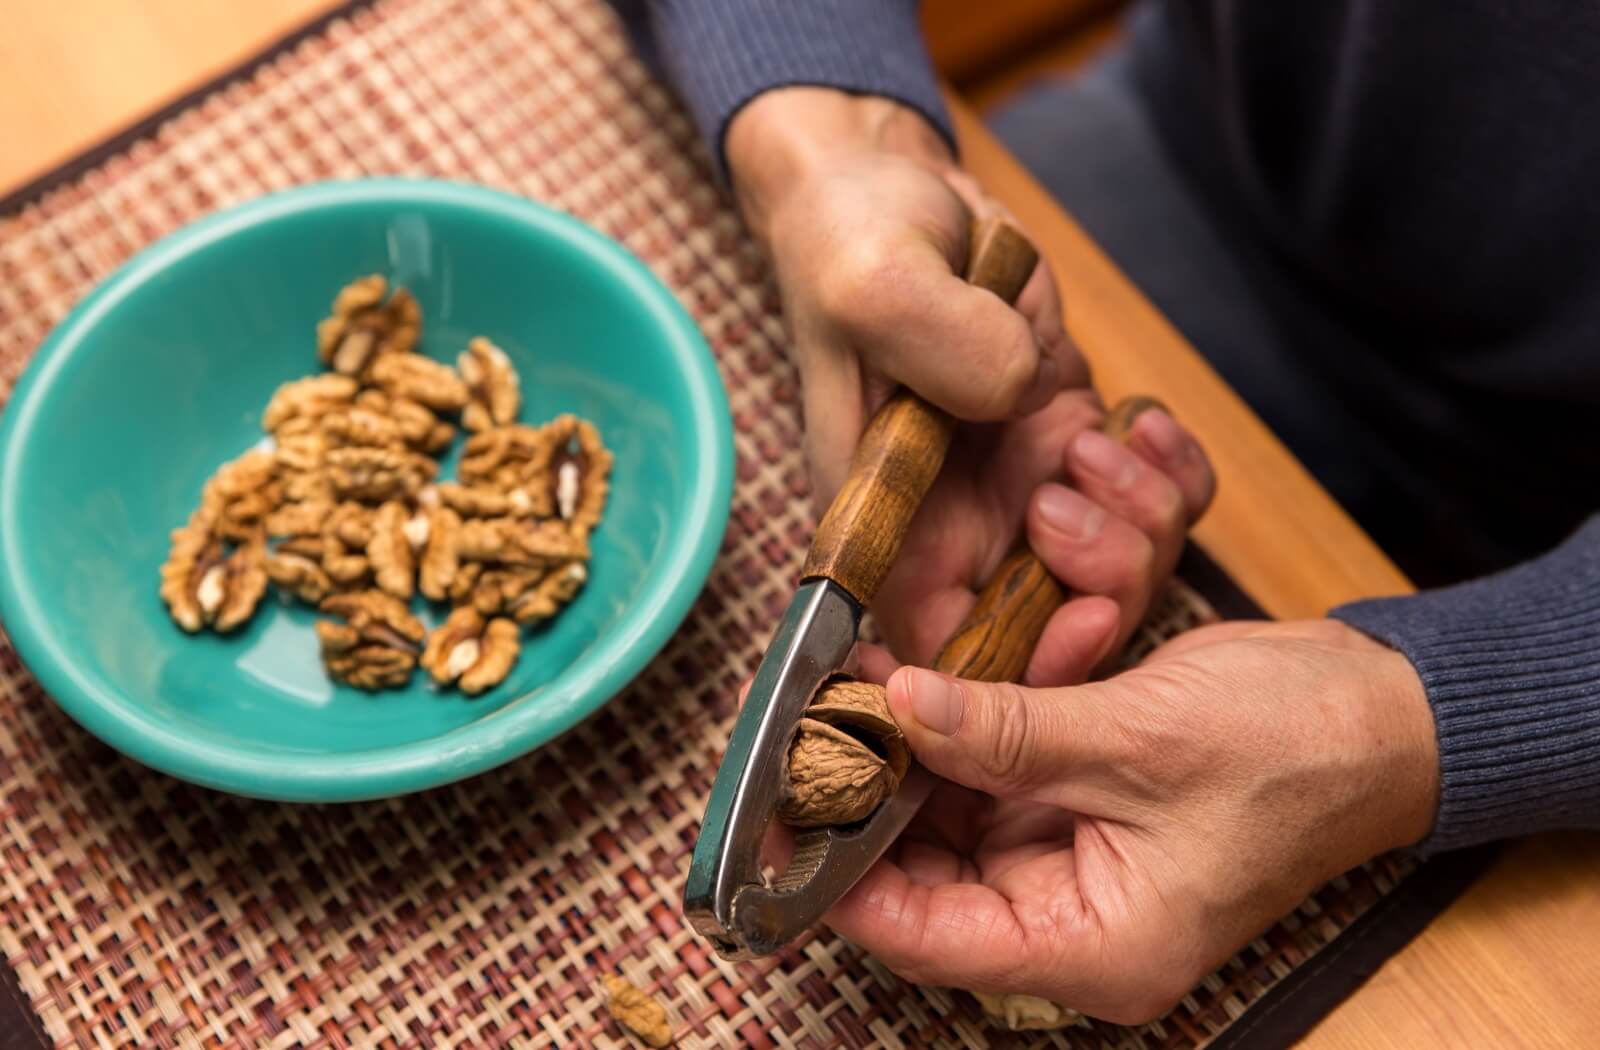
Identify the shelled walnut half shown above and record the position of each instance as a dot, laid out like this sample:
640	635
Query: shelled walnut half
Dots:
1025	1013
495	391
364	329
377	645
206	582
472	651
847	758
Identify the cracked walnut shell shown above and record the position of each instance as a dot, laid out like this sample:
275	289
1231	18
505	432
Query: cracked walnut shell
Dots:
847	758
377	645
472	651
363	329
494	390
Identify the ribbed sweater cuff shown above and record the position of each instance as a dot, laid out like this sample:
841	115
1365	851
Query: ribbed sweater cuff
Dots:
720	54
1511	664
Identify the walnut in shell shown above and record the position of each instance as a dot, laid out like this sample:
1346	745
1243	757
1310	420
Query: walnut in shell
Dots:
363	329
377	645
204	583
474	652
420	379
637	1011
847	758
494	390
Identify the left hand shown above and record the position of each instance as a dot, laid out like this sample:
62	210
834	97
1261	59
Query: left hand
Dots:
1112	538
1106	846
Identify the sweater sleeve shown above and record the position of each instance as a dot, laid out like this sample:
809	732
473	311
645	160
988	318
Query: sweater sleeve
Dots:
720	54
1511	665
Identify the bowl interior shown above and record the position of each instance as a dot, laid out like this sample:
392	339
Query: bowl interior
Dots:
162	376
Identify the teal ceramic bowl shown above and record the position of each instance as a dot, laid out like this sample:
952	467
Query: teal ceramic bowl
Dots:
161	374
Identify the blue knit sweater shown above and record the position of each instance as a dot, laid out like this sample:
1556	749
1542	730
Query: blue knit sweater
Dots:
1511	661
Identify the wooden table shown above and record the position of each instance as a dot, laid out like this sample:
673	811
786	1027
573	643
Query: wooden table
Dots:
1511	964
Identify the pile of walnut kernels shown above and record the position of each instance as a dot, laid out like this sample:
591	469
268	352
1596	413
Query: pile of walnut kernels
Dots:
341	510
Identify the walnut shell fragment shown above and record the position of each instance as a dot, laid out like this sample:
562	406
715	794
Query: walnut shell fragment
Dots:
847	758
637	1011
473	652
363	329
495	392
378	644
1025	1013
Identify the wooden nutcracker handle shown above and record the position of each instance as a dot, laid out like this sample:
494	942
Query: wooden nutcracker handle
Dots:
904	445
996	640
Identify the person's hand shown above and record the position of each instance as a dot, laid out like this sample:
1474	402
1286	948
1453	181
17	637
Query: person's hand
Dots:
1106	846
866	218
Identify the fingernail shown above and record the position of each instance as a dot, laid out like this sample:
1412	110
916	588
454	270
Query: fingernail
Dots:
937	702
1106	459
1162	433
1073	515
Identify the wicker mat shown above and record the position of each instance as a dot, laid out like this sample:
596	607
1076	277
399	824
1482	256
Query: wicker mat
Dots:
140	911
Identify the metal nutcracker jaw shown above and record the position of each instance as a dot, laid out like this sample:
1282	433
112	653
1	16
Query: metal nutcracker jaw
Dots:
726	898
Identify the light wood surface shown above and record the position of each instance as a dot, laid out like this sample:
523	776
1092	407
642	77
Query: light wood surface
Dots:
72	71
1512	964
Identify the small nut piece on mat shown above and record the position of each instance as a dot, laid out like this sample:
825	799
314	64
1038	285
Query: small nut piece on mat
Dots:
204	583
637	1011
363	329
847	758
377	645
471	651
494	389
421	379
1025	1013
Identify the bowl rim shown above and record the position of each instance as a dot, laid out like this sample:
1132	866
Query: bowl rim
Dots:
517	727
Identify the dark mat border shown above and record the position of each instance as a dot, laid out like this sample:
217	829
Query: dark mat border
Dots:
1288	1011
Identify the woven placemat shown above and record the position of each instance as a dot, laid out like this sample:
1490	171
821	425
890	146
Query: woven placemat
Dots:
141	911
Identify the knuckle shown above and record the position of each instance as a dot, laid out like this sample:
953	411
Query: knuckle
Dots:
1012	727
1011	374
861	276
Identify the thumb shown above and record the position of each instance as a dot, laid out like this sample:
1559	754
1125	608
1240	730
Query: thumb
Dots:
1006	740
